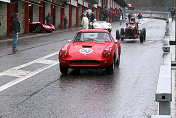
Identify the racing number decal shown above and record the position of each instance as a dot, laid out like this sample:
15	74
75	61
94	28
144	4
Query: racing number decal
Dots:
86	50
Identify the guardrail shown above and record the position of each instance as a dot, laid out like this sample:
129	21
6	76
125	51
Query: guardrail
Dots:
163	93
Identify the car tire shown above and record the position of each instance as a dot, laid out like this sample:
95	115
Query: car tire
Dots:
63	70
117	35
122	38
141	36
118	61
38	29
122	31
110	69
144	31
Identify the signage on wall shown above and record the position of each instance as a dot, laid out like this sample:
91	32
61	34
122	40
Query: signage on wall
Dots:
5	1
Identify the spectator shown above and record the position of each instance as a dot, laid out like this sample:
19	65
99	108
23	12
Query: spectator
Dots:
172	14
65	21
92	17
139	16
15	27
88	16
121	19
129	17
85	22
48	19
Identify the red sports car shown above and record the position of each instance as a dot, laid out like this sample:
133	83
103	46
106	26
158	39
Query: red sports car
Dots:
91	48
38	27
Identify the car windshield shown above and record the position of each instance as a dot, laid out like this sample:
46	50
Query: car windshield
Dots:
93	36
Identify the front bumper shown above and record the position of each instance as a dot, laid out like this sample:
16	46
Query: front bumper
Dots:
86	63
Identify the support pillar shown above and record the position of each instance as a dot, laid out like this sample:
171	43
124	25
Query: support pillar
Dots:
70	20
8	19
52	10
97	12
40	12
61	18
83	7
77	14
26	16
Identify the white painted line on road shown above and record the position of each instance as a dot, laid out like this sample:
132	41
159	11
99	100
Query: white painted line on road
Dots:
23	75
16	73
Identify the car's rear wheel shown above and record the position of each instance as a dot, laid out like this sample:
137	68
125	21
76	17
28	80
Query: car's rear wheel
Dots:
38	28
117	35
144	31
63	70
110	69
141	36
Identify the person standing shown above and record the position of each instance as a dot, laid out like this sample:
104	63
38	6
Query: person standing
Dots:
129	17
121	19
65	21
87	15
139	16
92	17
85	22
15	27
172	14
48	19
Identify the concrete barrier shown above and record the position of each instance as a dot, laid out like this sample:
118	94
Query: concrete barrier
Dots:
164	88
161	116
163	93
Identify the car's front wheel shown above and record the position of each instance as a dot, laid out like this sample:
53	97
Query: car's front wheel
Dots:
141	36
144	31
63	70
117	35
118	61
110	69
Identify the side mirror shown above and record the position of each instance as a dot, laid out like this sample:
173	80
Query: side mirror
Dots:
69	41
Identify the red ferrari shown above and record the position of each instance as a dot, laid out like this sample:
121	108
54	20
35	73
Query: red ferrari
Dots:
91	48
38	27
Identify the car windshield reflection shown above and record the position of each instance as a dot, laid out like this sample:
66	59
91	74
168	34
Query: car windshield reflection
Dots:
95	36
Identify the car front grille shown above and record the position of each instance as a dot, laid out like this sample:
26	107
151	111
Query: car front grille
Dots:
84	63
130	32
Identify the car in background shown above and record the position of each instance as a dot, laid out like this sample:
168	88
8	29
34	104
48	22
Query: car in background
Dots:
39	27
131	32
90	48
101	25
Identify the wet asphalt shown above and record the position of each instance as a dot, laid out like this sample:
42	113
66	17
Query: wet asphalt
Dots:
128	93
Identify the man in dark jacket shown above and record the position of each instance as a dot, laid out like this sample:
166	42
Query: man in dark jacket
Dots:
15	26
139	16
48	19
129	17
92	17
172	13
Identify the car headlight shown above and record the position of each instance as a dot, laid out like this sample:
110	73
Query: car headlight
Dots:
63	53
106	53
46	26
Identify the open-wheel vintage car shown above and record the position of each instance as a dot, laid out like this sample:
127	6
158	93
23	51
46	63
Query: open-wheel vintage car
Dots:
39	27
90	49
131	32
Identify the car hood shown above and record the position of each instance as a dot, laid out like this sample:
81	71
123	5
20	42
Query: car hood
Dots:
87	49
